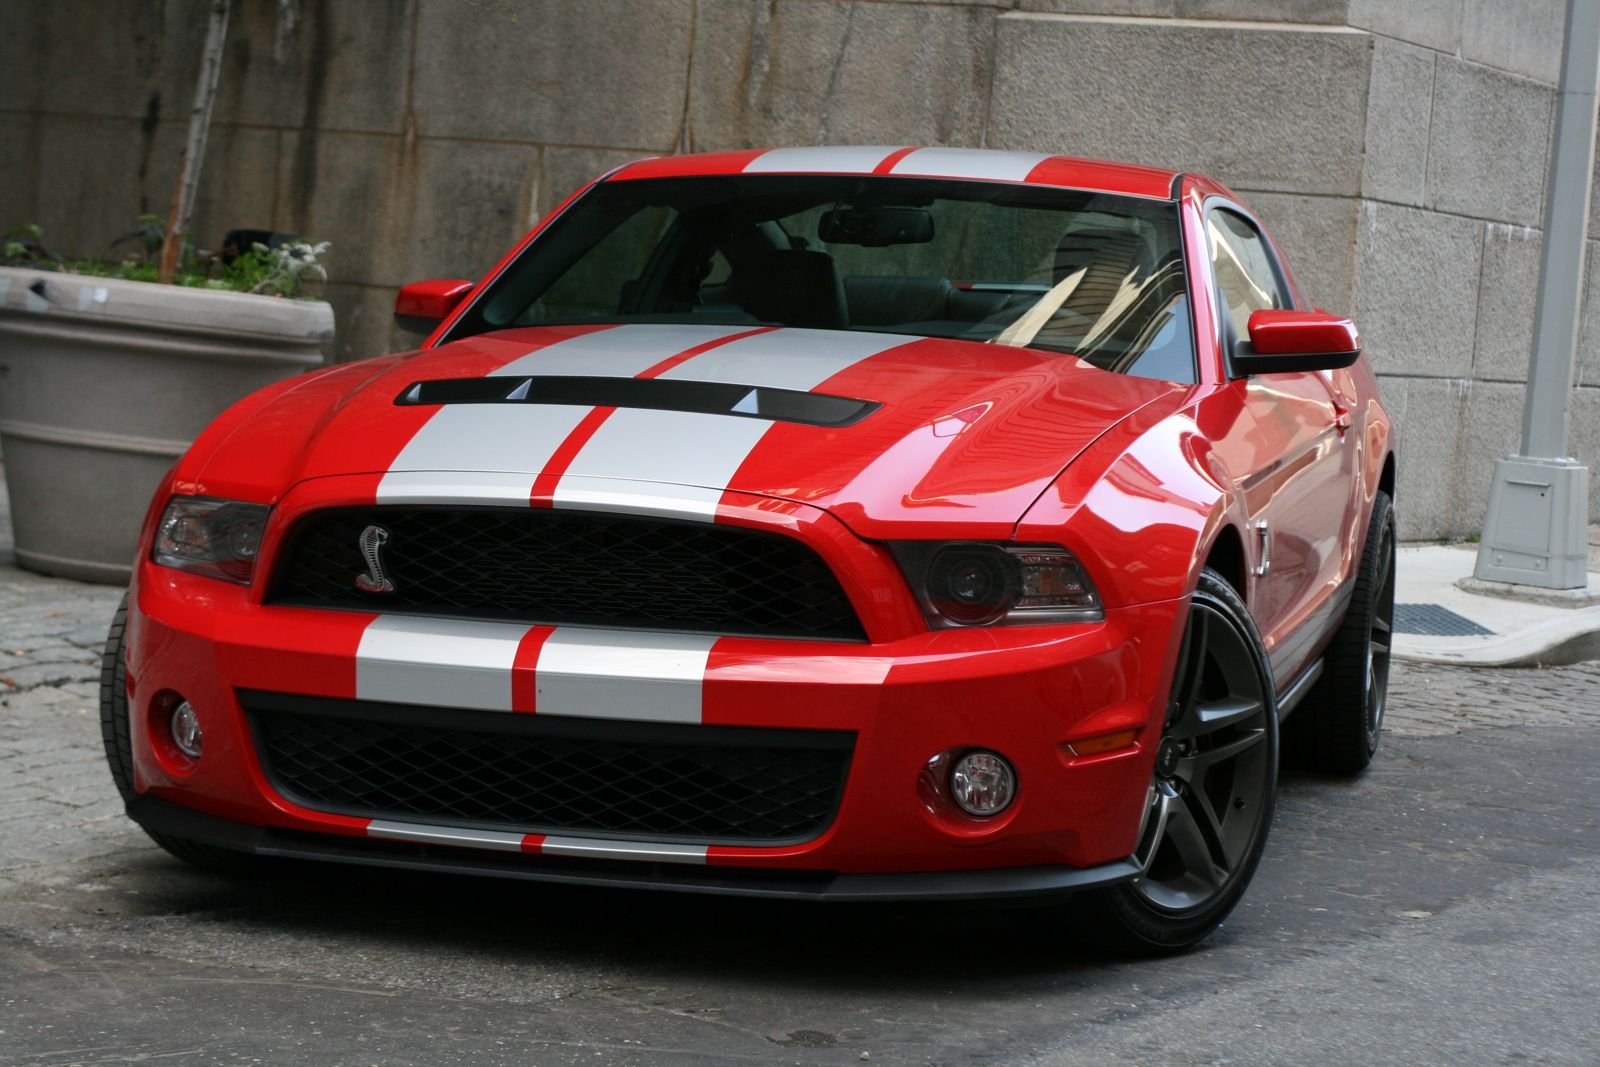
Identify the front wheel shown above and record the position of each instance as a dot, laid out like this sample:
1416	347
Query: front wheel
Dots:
1211	796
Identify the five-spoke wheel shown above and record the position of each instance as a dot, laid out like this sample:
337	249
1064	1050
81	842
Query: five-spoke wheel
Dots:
1211	795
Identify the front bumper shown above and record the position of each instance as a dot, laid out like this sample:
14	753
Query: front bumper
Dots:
906	696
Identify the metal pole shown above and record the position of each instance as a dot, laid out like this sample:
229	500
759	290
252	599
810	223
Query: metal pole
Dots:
1535	529
1566	218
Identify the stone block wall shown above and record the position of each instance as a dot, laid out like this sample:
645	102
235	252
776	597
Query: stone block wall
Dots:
1397	150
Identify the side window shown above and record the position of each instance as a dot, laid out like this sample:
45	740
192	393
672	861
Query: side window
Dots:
1242	266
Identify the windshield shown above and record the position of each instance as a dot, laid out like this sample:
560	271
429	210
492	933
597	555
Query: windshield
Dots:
1095	275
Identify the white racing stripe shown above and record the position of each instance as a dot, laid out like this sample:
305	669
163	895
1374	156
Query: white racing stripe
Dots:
624	496
511	841
498	840
512	439
603	849
455	487
508	438
825	159
617	352
668	463
580	672
695	453
701	452
451	663
616	674
785	359
980	163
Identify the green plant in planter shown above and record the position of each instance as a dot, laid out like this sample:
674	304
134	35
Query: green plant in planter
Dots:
283	270
23	246
279	271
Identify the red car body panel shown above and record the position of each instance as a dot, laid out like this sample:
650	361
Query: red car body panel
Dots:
1140	479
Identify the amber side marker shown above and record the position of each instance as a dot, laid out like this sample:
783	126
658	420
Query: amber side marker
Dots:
1093	746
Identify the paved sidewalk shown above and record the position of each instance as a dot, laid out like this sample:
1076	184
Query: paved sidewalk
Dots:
1504	632
51	631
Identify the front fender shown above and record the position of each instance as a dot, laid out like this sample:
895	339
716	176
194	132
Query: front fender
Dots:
1142	509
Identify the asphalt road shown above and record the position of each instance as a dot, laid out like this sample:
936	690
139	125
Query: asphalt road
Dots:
1444	908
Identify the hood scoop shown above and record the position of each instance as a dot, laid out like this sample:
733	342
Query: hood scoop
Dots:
659	394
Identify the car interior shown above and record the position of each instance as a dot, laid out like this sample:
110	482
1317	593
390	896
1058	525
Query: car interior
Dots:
1097	276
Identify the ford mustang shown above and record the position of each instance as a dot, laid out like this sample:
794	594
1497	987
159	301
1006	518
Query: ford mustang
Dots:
835	523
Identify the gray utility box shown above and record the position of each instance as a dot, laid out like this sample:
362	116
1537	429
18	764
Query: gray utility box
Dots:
1535	534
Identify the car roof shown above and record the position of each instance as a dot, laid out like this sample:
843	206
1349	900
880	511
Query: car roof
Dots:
976	164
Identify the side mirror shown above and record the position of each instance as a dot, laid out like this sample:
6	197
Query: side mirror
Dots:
1289	340
420	307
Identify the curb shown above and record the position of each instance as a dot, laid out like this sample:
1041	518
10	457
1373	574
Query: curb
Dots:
1556	642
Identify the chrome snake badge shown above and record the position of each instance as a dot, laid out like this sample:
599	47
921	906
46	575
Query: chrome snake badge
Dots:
372	540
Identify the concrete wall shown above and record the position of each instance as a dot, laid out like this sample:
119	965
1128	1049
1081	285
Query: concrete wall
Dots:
1396	149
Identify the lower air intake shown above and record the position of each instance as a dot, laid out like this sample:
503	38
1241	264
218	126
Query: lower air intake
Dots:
548	775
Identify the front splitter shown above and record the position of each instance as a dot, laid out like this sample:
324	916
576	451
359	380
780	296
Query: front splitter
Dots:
163	817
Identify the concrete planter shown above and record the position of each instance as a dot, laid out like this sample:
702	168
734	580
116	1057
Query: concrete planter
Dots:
104	383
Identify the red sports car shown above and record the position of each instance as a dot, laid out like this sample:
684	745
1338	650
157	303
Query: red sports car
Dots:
834	523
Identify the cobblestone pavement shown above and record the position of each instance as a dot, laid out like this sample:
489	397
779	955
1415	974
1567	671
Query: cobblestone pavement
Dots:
1440	909
1428	700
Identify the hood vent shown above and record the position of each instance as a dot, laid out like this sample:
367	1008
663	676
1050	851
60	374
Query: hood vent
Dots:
661	394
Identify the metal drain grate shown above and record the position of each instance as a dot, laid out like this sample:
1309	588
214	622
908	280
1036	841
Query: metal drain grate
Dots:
1435	621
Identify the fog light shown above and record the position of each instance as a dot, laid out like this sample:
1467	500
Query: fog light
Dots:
185	728
982	783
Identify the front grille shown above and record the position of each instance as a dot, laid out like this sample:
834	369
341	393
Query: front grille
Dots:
540	565
538	774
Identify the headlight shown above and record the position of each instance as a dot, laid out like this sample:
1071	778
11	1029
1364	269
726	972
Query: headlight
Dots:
977	583
219	538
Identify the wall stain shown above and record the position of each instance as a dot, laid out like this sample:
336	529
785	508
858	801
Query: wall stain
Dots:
303	170
148	125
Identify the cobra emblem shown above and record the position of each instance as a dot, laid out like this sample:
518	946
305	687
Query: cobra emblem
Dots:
372	540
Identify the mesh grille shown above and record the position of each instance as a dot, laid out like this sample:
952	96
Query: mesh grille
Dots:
546	566
524	773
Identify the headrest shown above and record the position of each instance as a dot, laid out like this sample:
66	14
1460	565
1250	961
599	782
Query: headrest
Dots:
794	287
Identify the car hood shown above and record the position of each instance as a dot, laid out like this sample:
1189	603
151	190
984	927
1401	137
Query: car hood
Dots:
923	432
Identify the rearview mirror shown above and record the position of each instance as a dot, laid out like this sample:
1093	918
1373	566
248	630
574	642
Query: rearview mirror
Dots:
1291	340
420	307
876	227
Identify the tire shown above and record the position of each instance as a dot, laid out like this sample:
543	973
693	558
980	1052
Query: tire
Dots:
114	704
114	733
1213	788
1336	729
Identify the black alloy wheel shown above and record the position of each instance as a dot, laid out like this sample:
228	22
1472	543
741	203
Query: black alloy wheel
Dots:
1337	727
1216	775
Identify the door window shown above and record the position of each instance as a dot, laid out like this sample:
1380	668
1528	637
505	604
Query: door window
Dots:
1246	278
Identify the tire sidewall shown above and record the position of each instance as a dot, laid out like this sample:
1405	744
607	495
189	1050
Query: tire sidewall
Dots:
1380	544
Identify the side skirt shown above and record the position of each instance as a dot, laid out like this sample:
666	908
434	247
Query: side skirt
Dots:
1297	689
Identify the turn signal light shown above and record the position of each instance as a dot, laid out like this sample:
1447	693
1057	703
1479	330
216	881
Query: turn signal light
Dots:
1093	746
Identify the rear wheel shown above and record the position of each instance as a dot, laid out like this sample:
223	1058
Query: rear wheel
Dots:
115	735
1211	797
1336	728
